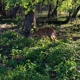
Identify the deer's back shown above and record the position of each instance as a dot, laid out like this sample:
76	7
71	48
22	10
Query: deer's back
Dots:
47	31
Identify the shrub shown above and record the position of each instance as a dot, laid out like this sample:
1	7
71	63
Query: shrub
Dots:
36	59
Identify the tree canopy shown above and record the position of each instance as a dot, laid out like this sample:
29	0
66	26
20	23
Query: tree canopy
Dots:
63	5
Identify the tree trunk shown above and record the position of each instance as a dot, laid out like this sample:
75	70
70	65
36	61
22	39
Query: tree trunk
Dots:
2	8
49	11
54	13
30	21
75	13
58	22
14	11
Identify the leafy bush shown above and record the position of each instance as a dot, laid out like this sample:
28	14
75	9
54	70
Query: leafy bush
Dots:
36	59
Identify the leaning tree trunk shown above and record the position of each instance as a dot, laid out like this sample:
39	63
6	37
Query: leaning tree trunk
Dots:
30	21
75	13
54	13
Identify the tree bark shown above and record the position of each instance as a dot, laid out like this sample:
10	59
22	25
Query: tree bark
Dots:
2	8
30	21
54	13
39	7
49	11
14	11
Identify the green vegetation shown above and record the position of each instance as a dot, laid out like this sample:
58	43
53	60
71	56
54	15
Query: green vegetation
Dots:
32	58
36	59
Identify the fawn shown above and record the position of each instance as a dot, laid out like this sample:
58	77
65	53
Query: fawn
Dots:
44	32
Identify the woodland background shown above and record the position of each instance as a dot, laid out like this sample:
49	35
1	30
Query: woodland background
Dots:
32	58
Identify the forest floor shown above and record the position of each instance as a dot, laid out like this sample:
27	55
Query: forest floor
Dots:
70	30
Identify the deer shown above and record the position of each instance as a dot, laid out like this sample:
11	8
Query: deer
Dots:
44	32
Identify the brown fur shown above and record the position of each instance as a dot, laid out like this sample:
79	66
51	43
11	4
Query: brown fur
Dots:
43	32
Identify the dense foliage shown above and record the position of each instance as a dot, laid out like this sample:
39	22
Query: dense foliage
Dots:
63	5
31	58
36	59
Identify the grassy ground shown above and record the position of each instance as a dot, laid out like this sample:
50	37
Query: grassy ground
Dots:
19	54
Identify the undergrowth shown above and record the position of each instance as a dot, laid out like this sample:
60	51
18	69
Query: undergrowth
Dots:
36	59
